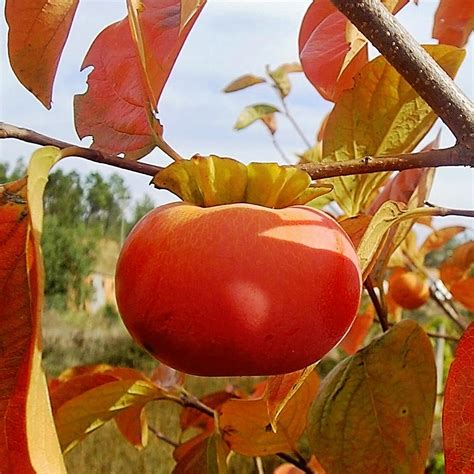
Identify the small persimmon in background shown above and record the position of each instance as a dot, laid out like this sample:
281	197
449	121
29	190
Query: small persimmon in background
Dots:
408	289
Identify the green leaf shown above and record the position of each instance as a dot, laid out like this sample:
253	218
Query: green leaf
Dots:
253	113
242	82
374	411
281	79
381	115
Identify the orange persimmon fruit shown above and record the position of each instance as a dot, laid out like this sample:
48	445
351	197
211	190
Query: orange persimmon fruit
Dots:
237	289
408	289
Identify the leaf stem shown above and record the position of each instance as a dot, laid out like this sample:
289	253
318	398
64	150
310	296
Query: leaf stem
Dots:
189	400
293	122
280	150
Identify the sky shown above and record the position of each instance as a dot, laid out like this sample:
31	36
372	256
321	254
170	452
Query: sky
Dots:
229	39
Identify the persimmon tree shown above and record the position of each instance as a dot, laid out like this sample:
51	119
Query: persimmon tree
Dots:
373	412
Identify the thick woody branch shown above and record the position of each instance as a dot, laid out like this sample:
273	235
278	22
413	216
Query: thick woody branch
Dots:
419	69
457	155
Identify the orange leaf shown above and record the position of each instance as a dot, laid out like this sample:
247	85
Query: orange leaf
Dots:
246	428
133	425
28	442
440	237
280	389
458	410
355	227
132	60
324	50
38	30
456	273
454	22
358	331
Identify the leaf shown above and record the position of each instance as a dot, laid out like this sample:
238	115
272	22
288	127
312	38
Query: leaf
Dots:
280	389
355	227
454	22
245	425
76	381
457	274
242	82
329	60
132	60
458	409
193	418
381	399
188	9
28	442
213	180
358	331
90	410
440	237
280	77
252	113
381	115
203	454
37	33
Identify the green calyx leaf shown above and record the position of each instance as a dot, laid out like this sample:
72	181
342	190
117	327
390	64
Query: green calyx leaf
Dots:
213	181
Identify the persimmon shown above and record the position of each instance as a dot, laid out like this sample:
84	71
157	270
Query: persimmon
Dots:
408	289
237	289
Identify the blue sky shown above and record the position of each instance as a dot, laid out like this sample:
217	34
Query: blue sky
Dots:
229	39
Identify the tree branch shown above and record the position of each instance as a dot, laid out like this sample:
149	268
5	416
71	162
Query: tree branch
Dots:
30	136
418	68
457	155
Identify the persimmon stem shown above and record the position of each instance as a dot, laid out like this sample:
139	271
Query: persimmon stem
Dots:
159	435
418	68
381	313
301	464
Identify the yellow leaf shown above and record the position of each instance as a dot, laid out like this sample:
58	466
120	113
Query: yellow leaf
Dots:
381	115
242	82
85	413
213	180
374	411
188	9
245	424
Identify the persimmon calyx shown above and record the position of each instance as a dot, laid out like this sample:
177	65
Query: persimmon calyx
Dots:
213	180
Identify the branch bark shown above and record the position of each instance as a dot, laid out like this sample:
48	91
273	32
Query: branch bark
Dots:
419	69
457	155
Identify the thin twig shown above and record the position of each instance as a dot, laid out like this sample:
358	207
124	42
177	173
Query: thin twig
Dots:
189	400
293	122
296	462
381	313
163	437
280	150
30	136
418	68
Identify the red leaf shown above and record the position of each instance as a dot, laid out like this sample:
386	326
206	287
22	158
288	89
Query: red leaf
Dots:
454	22
323	49
38	30
119	108
458	411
